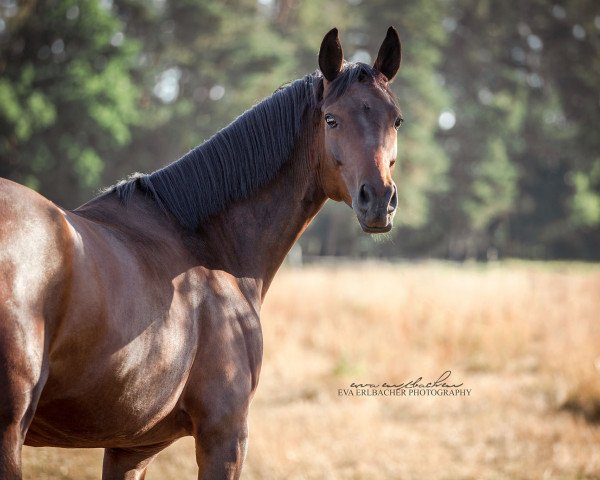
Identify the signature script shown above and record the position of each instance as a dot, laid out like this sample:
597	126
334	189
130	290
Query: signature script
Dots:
417	383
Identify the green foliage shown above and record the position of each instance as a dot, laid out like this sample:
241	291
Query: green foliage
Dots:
494	186
67	96
585	203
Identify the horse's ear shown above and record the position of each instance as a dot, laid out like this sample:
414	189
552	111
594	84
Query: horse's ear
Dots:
390	54
331	56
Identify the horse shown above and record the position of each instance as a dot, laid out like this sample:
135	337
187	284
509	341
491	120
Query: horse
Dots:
134	319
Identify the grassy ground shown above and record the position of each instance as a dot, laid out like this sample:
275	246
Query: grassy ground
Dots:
525	338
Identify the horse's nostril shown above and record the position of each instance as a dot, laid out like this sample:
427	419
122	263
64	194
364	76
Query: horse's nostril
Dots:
363	196
393	200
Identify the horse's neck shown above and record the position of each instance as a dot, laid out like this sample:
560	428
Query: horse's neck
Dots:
252	237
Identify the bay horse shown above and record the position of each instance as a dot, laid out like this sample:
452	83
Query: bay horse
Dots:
134	320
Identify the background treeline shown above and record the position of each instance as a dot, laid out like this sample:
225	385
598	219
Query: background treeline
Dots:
499	155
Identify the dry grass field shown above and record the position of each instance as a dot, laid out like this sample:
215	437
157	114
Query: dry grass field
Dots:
523	337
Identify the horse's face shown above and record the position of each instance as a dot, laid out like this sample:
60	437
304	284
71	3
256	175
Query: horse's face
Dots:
360	134
360	151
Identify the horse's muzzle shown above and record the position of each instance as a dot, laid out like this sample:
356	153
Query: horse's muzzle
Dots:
375	210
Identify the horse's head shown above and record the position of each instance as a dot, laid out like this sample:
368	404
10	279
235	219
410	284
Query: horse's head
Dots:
360	118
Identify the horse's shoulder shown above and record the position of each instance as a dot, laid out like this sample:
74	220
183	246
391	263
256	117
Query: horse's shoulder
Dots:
30	219
35	245
17	200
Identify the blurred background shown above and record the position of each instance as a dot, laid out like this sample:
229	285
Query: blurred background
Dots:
499	158
499	155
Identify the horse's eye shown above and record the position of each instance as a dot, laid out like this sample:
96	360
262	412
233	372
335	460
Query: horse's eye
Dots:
398	123
330	120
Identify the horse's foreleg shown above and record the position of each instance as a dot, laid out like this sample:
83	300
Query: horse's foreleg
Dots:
21	381
11	442
221	449
127	464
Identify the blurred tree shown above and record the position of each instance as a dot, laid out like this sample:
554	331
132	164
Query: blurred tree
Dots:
479	131
523	140
559	210
67	98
